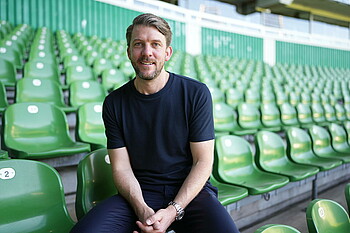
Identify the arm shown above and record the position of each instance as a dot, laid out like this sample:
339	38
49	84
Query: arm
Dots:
127	184
202	153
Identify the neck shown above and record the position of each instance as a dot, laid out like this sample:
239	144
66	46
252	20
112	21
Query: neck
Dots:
148	87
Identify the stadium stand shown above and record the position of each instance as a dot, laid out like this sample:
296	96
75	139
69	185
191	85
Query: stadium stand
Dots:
285	97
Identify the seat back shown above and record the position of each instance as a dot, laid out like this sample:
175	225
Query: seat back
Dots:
276	228
233	97
340	112
217	95
32	198
347	129
3	97
79	73
39	90
248	116
89	126
270	115
41	70
299	146
318	113
7	72
234	158
288	115
81	92
329	112
324	215
339	137
112	78
304	114
34	127
270	152
95	181
347	196
225	118
321	140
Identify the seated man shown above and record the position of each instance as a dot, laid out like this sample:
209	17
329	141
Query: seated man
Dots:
160	140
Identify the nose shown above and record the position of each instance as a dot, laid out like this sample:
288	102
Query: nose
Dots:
147	50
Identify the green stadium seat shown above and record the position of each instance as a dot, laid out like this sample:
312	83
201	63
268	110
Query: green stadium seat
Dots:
32	198
294	98
217	95
234	164
227	193
79	73
41	70
318	114
276	228
304	115
113	78
289	117
101	64
340	112
270	117
329	112
252	96
249	117
225	119
3	98
89	125
233	97
347	196
41	90
12	56
4	154
324	215
268	97
73	60
299	150
271	157
38	130
322	146
94	181
281	98
7	73
339	138
81	92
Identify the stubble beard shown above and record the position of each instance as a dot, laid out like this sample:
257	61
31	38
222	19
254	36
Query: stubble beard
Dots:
147	76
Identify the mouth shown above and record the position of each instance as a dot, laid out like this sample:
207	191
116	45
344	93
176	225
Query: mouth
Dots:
147	63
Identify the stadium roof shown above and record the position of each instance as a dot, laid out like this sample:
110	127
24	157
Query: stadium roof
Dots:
329	11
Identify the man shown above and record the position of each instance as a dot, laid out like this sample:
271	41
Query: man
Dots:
160	135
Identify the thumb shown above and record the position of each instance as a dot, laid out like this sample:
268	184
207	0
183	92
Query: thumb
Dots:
153	219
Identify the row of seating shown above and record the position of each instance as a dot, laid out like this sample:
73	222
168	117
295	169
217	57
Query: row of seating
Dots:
248	119
39	189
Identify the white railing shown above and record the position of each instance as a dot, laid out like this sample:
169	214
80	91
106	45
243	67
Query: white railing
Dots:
174	12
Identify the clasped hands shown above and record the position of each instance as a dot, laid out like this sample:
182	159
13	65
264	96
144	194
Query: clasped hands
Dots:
156	222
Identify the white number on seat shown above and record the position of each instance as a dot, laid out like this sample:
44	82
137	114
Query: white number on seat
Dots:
7	173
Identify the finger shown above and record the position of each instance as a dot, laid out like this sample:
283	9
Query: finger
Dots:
157	217
143	227
156	225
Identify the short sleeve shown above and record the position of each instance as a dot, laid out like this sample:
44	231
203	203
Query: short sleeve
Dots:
201	121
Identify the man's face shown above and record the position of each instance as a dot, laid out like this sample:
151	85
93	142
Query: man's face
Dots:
148	52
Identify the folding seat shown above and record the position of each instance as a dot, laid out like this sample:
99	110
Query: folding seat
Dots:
267	97
91	56
15	45
89	125
127	69
44	56
339	138
299	150
73	60
270	117
234	164
322	146
340	112
79	73
233	97
304	115
329	113
217	95
289	117
12	56
281	98
271	157
7	72
305	98
3	98
41	90
38	130
318	114
294	98
94	181
113	78
228	193
41	70
252	96
347	196
101	64
276	228
249	117
81	92
225	120
324	215
32	198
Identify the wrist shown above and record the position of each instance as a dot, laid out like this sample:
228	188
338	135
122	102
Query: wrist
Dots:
180	212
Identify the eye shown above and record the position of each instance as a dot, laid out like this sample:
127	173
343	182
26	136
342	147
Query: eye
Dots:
157	44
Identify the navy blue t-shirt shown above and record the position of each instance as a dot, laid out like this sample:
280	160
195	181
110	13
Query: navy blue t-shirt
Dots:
156	129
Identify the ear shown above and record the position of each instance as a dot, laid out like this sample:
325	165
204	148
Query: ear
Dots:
128	52
168	53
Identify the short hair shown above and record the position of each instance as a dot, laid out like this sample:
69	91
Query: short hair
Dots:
150	20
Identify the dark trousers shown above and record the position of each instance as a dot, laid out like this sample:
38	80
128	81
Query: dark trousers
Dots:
204	214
